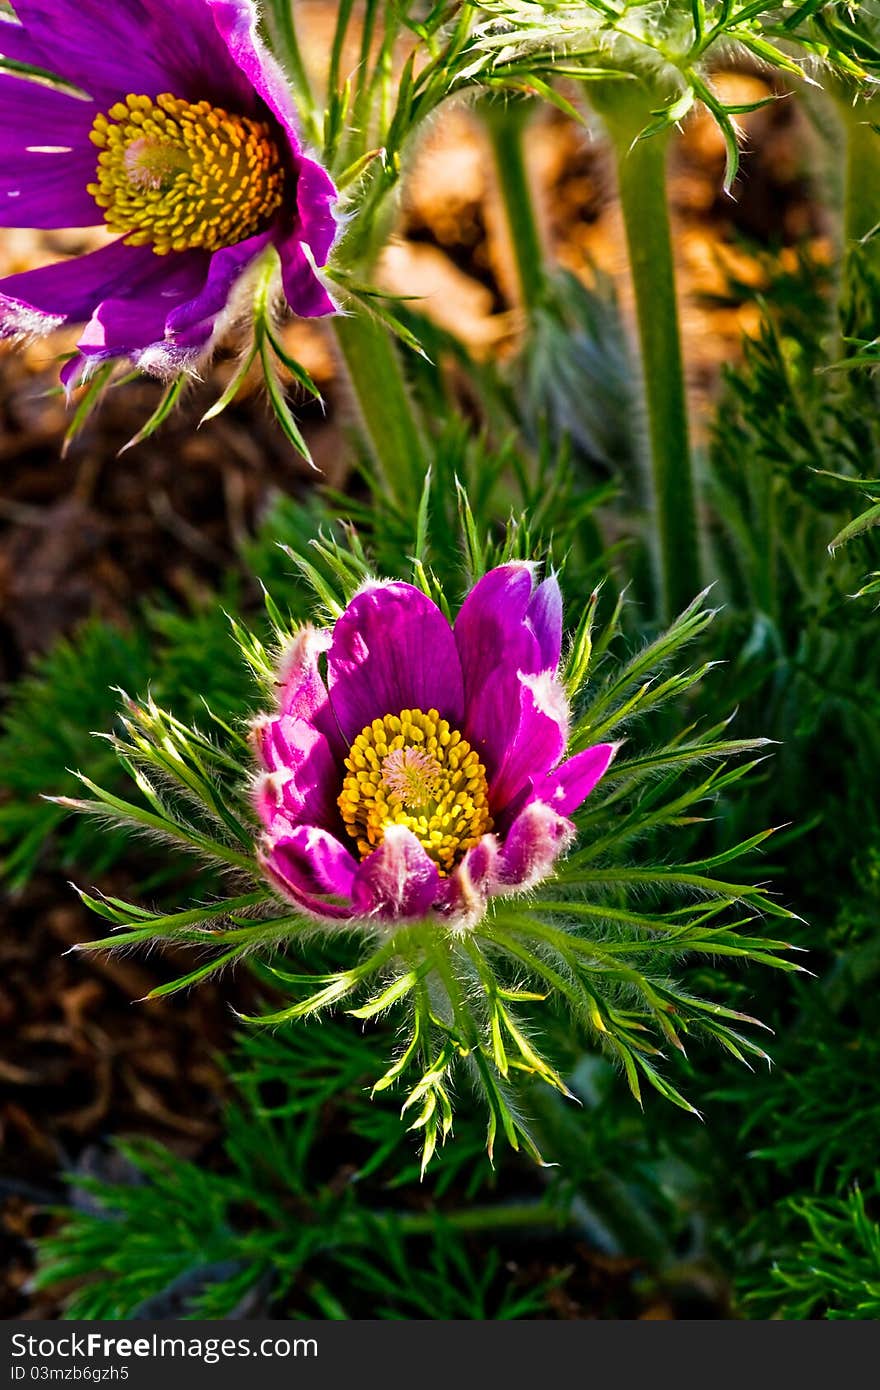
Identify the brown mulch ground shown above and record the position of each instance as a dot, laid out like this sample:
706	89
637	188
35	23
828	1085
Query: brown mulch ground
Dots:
83	1059
94	532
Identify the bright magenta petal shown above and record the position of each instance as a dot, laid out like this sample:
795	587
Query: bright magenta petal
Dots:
392	650
544	616
302	693
398	880
303	775
533	844
568	785
538	743
309	866
495	643
465	892
67	292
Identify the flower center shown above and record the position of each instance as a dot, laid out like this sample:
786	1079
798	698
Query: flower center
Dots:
179	175
412	769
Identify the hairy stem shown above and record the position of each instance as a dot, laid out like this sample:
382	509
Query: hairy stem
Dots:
862	193
384	404
859	280
505	124
641	166
511	1216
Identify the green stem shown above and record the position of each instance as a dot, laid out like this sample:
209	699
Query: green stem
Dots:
562	1134
859	280
514	1216
505	124
608	1213
642	181
384	404
862	193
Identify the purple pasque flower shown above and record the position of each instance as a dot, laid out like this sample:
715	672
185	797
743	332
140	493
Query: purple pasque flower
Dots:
422	770
178	132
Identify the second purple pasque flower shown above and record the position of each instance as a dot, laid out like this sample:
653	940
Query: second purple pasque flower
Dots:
178	131
416	768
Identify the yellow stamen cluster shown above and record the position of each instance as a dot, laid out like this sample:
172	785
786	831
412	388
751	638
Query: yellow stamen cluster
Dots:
177	175
412	769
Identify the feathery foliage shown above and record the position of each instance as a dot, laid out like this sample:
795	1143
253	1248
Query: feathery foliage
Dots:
831	1264
298	1217
803	653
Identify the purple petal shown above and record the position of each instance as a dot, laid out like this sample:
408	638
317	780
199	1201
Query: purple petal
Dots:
303	290
544	615
191	326
308	864
132	323
302	692
17	45
102	48
571	783
31	113
392	650
75	372
194	55
46	191
398	880
143	46
539	741
124	292
70	290
316	229
315	196
236	22
303	775
495	643
533	844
